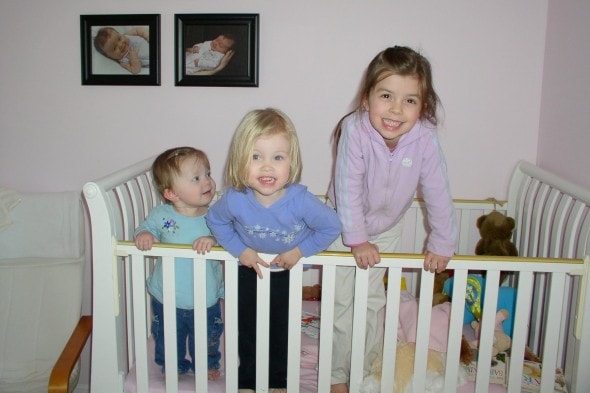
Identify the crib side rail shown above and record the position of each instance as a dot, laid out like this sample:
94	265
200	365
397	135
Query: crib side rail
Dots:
526	268
552	215
116	204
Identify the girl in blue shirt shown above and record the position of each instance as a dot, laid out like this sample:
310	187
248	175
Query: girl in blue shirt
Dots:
266	210
183	178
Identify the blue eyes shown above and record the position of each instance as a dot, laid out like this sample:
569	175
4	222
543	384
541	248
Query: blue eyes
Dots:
257	157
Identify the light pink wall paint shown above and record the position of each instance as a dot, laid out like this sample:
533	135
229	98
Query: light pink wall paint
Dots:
56	134
564	140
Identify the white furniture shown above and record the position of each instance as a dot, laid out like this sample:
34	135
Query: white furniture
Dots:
553	274
41	269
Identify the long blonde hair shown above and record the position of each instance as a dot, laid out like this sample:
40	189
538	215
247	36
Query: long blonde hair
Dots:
256	124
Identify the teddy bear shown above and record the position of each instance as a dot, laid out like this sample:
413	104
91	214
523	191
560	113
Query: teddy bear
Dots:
311	292
496	231
501	340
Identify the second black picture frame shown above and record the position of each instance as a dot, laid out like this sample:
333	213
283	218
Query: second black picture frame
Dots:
216	49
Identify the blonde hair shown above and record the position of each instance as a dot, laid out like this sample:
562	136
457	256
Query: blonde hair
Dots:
167	165
256	124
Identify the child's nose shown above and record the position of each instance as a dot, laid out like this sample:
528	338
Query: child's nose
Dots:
395	107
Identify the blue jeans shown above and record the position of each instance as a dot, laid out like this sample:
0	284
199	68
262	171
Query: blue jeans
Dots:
185	329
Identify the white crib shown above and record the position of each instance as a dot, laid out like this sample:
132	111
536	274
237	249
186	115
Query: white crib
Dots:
552	318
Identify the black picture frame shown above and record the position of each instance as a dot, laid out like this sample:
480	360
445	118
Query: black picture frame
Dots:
98	69
242	68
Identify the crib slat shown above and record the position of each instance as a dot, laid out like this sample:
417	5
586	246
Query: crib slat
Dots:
423	329
326	335
295	305
170	324
553	323
455	330
200	321
484	358
519	332
262	328
139	318
391	323
231	326
361	285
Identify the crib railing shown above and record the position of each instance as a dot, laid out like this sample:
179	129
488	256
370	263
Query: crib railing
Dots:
553	220
558	271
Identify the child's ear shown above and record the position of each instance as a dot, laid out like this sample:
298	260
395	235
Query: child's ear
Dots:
365	104
170	195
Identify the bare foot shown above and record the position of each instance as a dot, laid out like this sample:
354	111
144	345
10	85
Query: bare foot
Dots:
278	390
213	375
246	391
339	388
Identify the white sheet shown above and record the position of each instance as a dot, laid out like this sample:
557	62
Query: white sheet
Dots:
8	200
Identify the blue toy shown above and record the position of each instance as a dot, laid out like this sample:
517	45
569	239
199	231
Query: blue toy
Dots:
474	295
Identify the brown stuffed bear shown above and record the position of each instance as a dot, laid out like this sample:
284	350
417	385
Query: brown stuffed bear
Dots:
312	292
438	295
496	231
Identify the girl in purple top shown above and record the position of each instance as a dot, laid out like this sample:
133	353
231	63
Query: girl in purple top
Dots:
267	211
386	150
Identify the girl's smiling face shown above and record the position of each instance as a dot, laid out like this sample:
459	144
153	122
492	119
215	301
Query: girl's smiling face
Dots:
270	167
193	188
394	106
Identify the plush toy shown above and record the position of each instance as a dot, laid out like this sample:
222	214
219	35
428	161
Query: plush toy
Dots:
438	294
496	233
312	292
406	347
501	340
474	296
404	372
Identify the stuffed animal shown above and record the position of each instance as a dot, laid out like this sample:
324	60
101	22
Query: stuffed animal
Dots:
406	347
438	294
474	296
501	340
312	292
404	371
496	233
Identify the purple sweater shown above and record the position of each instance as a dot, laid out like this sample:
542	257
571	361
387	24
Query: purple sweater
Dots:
372	187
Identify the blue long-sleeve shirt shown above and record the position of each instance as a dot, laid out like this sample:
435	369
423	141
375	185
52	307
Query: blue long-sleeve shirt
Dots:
169	226
299	219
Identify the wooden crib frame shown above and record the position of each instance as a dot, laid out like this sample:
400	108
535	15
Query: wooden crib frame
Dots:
552	236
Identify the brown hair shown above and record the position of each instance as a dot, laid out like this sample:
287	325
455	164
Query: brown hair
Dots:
401	60
167	165
101	38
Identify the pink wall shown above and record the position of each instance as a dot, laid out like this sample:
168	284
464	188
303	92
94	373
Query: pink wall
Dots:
564	141
500	79
56	134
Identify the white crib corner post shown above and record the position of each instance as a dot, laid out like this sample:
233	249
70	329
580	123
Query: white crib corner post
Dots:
106	367
580	378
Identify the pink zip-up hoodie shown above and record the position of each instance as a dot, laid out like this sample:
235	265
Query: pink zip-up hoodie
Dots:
373	187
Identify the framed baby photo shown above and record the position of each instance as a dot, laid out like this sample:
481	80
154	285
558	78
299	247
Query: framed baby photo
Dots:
120	49
216	50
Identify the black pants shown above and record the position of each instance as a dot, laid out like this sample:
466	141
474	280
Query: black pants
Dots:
279	334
